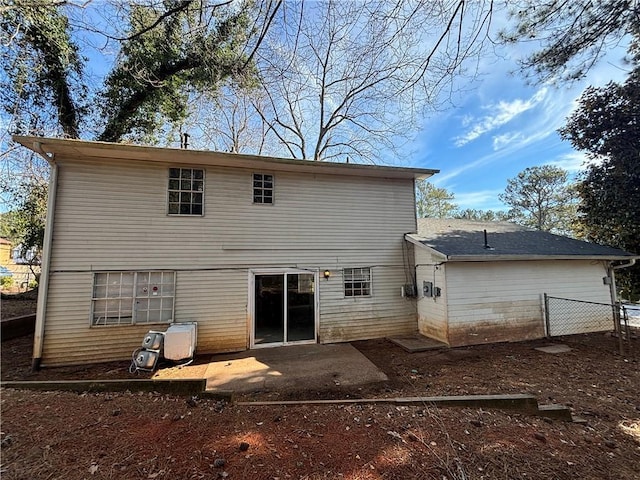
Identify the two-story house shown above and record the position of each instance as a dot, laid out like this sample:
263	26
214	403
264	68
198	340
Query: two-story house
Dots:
258	251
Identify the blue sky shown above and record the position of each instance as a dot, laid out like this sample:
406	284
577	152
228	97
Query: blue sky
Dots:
502	126
499	127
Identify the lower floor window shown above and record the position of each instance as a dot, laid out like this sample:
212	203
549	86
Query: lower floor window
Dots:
357	282
129	298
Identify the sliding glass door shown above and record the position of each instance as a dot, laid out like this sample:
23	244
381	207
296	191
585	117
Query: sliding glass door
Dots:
284	308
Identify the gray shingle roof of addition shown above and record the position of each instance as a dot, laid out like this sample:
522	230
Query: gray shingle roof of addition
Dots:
463	239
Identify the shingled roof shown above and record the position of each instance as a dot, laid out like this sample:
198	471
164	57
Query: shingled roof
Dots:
464	240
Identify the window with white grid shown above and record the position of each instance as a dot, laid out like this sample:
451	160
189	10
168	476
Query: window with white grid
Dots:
262	188
130	298
357	282
186	191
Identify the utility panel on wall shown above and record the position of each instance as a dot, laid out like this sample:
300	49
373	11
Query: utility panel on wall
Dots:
428	290
408	291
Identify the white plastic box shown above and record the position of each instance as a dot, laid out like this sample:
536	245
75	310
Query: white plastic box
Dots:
180	341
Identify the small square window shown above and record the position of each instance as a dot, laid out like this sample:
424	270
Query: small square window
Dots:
357	282
186	191
262	188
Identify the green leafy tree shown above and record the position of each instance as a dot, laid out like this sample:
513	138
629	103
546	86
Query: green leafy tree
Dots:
43	87
24	224
483	215
574	34
336	79
606	125
434	202
162	63
542	198
169	50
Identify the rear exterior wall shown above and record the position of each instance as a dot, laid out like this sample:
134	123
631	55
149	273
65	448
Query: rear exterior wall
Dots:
112	216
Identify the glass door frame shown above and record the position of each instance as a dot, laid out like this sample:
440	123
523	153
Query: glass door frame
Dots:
252	304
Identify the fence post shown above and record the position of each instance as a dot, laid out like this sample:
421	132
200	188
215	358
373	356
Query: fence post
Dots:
616	319
546	316
627	331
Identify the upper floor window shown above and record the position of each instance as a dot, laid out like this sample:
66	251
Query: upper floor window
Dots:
262	188
357	282
186	191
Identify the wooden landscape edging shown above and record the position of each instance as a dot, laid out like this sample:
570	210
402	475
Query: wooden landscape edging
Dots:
524	403
175	386
17	326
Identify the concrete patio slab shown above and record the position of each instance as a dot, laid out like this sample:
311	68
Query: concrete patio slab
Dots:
308	367
417	343
554	349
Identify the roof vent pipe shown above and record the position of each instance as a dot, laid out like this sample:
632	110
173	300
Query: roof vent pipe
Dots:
486	242
184	140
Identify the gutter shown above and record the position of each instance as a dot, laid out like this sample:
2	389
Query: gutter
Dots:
45	267
612	273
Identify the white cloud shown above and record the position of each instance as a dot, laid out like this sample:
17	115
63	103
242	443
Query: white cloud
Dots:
510	150
501	141
574	162
503	112
480	200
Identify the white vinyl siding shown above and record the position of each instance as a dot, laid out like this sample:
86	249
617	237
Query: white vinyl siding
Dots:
432	311
502	301
357	318
113	216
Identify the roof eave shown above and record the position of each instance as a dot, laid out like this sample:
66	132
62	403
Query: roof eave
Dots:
416	240
106	150
490	258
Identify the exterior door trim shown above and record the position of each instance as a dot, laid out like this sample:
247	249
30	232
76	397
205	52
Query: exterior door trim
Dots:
251	307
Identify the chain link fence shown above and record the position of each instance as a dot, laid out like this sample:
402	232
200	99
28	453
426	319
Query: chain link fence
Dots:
565	316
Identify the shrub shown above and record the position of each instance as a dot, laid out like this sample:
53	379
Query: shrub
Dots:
6	282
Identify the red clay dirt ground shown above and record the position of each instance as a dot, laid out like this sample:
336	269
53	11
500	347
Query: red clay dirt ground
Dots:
60	435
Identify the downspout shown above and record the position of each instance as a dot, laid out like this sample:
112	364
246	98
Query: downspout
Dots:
43	287
612	270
